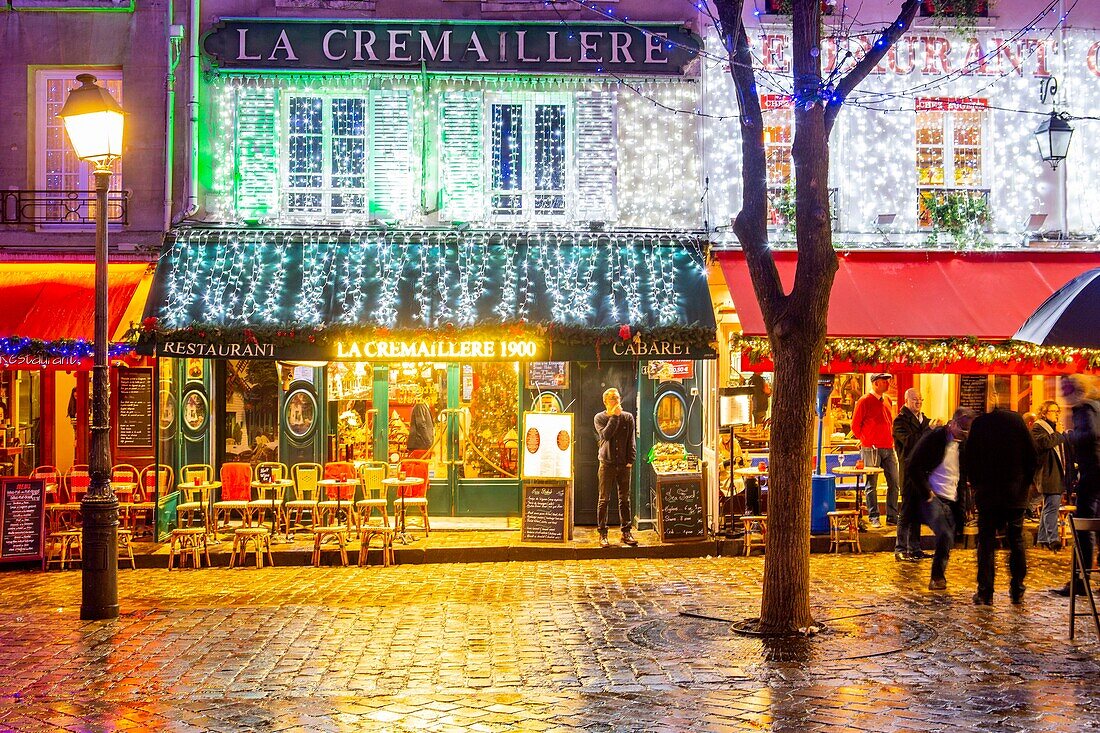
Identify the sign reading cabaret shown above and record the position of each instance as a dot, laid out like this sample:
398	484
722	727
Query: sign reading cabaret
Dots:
442	46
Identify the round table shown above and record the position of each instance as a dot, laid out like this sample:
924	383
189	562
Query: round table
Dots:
339	483
272	486
747	472
207	491
401	483
861	475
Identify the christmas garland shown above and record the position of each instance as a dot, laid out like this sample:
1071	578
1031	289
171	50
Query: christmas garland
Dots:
14	346
149	333
929	353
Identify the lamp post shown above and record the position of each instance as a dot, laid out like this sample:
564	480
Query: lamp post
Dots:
94	121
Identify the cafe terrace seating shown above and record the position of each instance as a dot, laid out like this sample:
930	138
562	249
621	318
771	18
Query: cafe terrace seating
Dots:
236	491
306	494
144	499
192	497
338	498
374	494
77	481
121	474
265	501
414	496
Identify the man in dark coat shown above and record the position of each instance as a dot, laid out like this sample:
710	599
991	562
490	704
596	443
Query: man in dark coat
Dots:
936	475
909	427
1050	477
1001	463
616	432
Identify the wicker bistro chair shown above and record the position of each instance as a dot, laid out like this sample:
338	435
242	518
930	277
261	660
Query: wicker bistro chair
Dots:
124	473
306	494
193	503
236	492
55	508
155	479
338	498
374	495
265	502
415	496
77	481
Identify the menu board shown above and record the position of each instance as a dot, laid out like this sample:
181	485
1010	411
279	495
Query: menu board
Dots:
548	375
680	510
264	473
135	407
972	391
547	511
548	445
22	519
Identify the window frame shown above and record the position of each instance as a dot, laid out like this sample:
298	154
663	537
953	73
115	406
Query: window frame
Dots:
326	190
528	102
950	108
85	180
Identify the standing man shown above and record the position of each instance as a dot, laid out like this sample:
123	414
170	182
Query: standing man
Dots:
909	427
936	471
872	423
615	429
1050	478
1084	442
1001	462
761	395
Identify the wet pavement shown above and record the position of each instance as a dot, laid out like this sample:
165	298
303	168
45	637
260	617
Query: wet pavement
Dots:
628	644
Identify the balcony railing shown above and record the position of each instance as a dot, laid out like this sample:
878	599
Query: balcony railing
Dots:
781	204
972	203
60	208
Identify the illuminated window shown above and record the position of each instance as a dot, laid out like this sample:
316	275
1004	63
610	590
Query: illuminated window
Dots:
326	160
778	138
56	166
529	143
949	145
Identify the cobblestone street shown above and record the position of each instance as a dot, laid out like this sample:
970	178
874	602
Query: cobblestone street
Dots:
601	645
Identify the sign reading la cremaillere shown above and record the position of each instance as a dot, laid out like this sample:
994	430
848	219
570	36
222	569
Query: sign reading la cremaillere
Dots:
441	46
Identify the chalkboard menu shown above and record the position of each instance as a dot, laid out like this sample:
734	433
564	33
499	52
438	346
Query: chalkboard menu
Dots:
264	474
680	509
972	391
547	511
135	408
548	375
22	518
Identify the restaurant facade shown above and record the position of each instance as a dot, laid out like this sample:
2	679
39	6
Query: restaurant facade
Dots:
408	233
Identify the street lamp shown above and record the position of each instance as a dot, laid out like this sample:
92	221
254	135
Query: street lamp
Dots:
1053	135
94	120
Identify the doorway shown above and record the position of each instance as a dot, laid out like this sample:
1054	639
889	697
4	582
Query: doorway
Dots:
592	380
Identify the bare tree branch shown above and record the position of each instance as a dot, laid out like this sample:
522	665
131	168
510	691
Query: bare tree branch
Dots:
866	65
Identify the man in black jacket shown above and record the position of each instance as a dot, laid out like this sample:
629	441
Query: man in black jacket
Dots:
1050	477
615	429
936	473
1001	463
909	427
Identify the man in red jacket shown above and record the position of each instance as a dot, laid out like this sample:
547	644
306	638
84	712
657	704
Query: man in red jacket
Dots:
872	423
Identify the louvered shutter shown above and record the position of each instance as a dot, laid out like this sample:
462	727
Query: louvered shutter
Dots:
257	194
461	151
391	163
597	157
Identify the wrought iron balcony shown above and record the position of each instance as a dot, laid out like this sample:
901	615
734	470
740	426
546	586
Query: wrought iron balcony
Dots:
60	208
781	206
971	204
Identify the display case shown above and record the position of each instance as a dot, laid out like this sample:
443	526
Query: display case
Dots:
679	493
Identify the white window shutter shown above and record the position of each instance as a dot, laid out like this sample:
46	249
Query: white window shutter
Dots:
257	195
597	157
462	152
391	164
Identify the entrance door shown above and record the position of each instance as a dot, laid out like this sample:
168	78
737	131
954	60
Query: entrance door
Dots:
592	380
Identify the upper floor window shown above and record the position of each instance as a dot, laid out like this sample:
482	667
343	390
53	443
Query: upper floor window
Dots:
954	8
949	142
327	152
57	169
529	144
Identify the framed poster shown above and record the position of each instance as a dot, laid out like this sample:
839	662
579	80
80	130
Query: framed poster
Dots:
196	412
547	445
548	375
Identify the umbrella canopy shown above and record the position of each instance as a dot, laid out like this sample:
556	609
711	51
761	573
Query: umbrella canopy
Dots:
1069	317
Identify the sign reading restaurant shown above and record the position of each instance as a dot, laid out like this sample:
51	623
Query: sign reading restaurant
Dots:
451	46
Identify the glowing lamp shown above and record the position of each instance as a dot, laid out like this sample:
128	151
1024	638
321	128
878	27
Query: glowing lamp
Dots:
1053	137
93	120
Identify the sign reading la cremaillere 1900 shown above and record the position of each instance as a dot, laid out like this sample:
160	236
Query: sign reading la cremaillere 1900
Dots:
441	46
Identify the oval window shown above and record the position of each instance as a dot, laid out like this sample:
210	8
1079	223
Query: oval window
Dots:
670	415
196	412
300	412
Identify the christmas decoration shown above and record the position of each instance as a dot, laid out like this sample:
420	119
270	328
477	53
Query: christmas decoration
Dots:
492	418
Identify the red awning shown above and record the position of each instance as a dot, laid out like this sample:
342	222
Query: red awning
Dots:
57	300
922	295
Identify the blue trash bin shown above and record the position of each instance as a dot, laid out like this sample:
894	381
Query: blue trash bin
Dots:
822	501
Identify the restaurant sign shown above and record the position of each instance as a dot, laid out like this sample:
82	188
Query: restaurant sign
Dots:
451	46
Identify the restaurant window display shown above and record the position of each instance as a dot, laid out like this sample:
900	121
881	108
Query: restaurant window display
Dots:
251	420
492	445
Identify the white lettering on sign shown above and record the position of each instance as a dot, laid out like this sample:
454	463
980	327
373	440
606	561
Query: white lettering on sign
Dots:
437	350
283	44
327	50
649	348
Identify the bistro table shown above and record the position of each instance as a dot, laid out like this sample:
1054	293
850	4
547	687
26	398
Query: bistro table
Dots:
338	484
860	475
401	483
748	472
206	489
272	487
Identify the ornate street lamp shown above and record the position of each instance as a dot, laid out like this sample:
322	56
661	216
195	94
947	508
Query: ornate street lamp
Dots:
1053	136
94	120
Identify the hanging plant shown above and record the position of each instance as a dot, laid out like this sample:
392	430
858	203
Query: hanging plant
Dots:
962	215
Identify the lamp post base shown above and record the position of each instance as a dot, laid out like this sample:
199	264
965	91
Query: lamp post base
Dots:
99	558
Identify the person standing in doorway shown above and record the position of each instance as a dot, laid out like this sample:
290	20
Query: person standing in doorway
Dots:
615	429
936	470
1001	463
872	423
909	427
1050	478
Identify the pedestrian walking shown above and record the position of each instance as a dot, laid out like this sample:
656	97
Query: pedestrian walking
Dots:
1083	439
909	427
936	470
615	429
872	423
1050	476
1001	466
